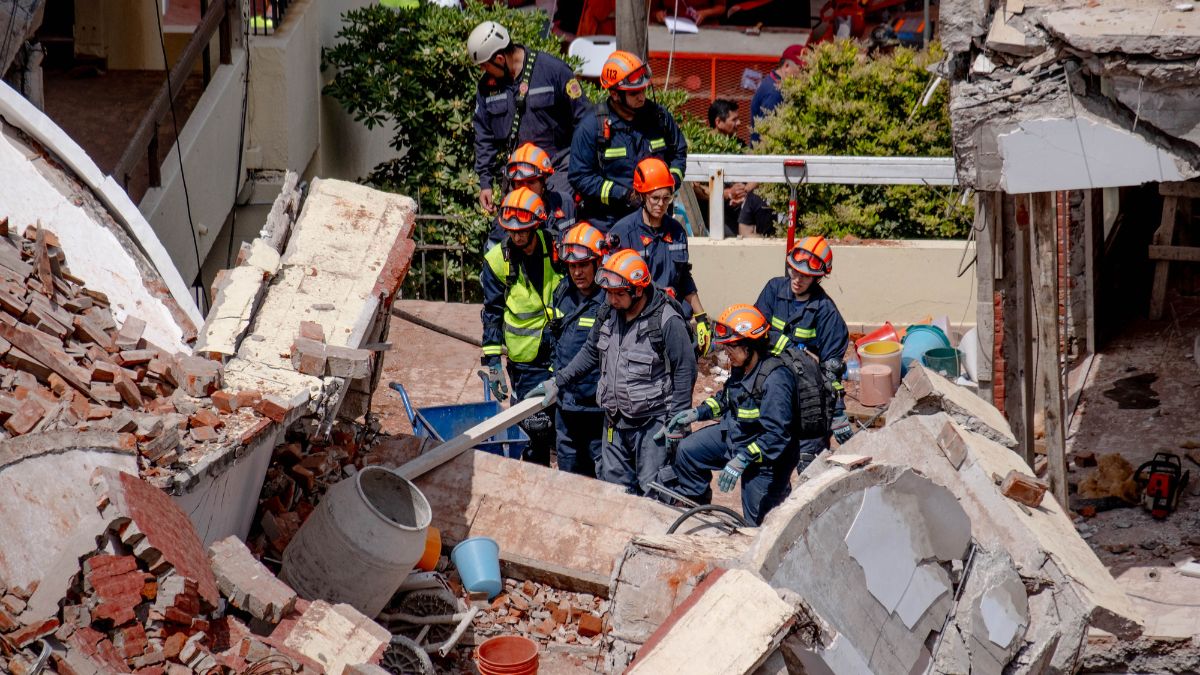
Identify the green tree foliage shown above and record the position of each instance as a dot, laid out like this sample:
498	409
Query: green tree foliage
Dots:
848	103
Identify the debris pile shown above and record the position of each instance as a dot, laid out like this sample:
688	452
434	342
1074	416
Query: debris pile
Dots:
146	598
545	614
65	363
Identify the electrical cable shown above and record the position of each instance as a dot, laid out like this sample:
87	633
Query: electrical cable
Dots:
187	200
704	508
237	174
670	56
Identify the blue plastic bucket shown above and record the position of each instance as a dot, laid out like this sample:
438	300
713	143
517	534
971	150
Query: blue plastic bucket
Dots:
478	563
918	340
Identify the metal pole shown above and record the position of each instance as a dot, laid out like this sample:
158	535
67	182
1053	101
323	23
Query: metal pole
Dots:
716	205
925	27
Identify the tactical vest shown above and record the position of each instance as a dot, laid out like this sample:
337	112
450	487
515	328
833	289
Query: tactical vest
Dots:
634	377
527	310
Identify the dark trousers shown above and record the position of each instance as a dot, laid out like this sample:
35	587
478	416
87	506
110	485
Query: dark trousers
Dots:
630	456
764	485
580	434
523	377
810	449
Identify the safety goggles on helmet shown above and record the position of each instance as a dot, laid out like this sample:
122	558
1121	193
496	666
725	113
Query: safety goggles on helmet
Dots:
725	334
576	253
636	81
514	218
522	171
610	280
805	262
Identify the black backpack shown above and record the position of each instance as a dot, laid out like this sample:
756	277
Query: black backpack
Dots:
655	331
814	403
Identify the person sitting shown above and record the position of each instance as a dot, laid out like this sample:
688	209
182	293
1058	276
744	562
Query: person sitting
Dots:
697	11
742	204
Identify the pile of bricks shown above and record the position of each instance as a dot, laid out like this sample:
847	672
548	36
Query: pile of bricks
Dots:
299	474
545	614
66	364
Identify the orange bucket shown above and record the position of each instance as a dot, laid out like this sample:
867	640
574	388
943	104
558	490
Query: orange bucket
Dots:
433	550
507	655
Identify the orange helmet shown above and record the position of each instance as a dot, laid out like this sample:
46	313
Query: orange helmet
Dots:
740	322
522	209
528	161
812	257
582	243
624	269
652	174
624	72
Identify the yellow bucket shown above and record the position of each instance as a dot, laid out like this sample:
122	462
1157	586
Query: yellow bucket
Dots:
886	353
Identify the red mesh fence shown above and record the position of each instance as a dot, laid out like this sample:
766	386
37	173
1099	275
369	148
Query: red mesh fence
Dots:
707	77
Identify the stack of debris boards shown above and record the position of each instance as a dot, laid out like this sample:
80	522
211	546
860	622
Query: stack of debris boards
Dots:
140	594
65	363
899	553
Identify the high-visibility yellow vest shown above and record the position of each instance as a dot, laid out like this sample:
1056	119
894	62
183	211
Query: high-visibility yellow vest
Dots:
527	310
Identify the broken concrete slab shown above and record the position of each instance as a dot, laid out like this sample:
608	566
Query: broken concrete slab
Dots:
696	638
333	636
924	392
527	509
655	575
247	584
44	489
1133	31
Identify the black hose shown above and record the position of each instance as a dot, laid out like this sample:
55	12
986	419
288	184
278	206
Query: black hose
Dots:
703	508
396	311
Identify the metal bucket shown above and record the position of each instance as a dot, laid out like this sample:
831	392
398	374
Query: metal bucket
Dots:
360	543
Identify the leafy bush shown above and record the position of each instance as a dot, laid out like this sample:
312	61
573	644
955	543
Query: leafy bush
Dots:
848	103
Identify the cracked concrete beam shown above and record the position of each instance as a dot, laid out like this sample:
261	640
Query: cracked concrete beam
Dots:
924	392
1149	31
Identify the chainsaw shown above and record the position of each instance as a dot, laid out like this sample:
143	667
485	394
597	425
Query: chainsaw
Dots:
1162	480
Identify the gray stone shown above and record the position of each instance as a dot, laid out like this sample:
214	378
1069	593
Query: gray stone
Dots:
924	392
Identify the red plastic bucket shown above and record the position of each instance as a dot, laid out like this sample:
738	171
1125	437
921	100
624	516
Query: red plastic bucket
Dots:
507	655
885	333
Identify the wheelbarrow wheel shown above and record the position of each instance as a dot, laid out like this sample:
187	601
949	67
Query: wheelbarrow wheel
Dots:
405	657
427	602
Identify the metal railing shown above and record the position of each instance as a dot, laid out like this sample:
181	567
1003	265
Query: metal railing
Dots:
267	15
219	17
421	282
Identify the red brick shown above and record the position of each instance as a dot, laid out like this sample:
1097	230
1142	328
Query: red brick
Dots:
28	634
204	434
130	335
198	376
7	622
113	587
136	357
545	627
87	330
308	356
1022	488
129	391
173	644
130	641
225	401
272	408
104	565
590	625
117	613
28	414
312	330
248	399
175	615
205	417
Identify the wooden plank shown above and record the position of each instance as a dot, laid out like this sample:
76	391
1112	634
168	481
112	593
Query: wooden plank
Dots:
1049	370
469	438
1189	190
1018	329
1164	236
1174	253
632	35
1093	243
987	217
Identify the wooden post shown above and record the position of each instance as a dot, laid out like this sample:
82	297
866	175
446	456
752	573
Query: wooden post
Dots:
1164	236
1093	244
631	27
987	220
1018	324
1049	369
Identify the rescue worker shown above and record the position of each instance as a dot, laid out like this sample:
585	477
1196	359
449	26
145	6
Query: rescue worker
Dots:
647	370
524	95
661	241
578	300
802	315
768	95
518	278
626	129
529	167
753	442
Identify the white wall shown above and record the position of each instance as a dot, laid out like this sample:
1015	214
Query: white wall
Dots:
209	142
283	119
897	281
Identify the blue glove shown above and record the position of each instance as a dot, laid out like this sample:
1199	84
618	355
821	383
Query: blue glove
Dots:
842	431
496	382
548	390
732	472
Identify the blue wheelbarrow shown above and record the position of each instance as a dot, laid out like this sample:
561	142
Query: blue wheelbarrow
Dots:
443	422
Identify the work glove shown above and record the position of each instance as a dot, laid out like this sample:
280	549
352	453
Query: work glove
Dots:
703	334
496	382
679	426
841	429
732	472
548	390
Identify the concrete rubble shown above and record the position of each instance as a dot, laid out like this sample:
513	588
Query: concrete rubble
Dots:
1072	95
925	564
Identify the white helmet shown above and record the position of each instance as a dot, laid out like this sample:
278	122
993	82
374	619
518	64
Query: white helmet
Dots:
486	40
